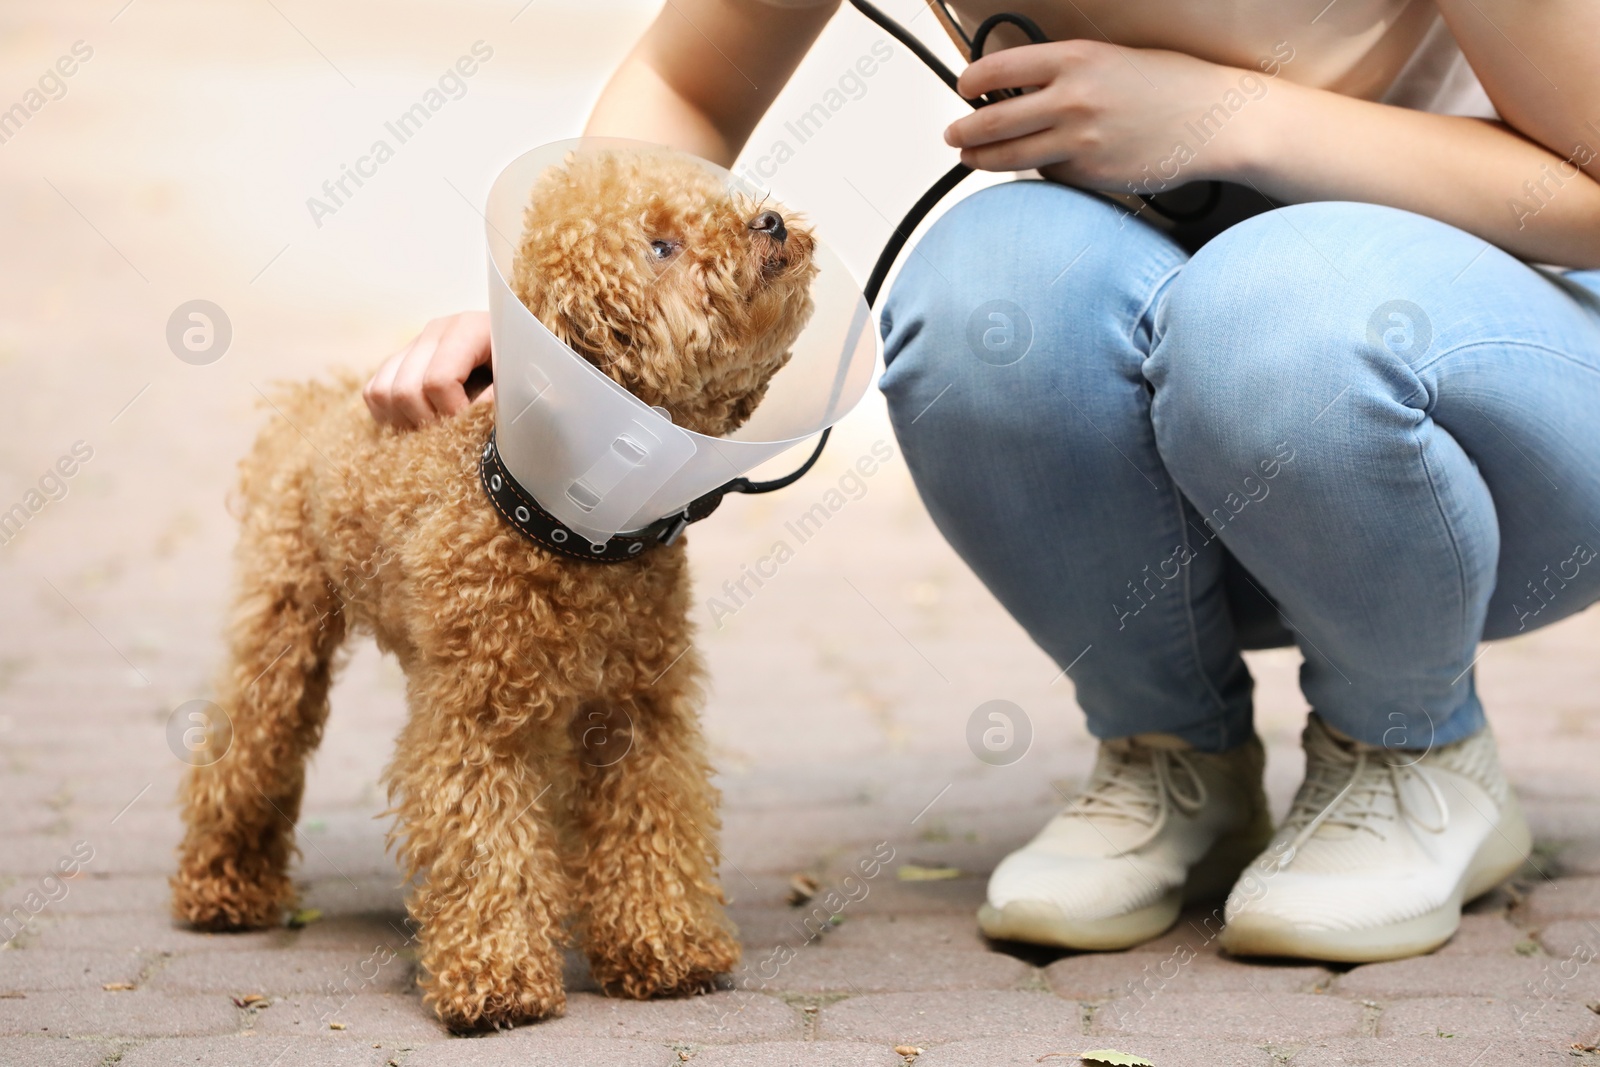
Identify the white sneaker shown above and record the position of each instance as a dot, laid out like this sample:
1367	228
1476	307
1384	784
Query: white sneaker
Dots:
1379	851
1156	824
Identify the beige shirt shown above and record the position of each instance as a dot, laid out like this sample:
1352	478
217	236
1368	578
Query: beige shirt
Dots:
1396	51
1438	78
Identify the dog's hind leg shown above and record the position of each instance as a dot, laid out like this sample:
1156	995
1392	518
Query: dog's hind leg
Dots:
240	804
653	921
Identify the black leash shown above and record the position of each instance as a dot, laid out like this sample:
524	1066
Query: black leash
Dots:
519	508
939	189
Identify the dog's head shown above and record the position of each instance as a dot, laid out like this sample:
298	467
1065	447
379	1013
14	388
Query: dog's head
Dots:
686	293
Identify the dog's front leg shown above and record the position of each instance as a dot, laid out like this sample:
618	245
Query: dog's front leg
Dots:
653	921
475	820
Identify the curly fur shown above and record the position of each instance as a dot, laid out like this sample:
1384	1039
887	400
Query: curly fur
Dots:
551	779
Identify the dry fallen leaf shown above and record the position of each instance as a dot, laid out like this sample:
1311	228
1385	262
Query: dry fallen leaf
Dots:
249	999
336	1026
915	872
117	987
302	917
802	887
1594	1006
907	1050
1116	1059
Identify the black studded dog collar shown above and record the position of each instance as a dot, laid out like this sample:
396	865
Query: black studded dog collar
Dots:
518	507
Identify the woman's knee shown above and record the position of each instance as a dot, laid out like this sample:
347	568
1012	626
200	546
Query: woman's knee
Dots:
1283	316
1012	289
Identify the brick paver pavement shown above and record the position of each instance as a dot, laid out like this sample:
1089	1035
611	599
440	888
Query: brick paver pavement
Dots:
175	167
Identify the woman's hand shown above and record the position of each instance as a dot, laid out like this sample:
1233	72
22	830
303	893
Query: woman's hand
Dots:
1101	116
427	379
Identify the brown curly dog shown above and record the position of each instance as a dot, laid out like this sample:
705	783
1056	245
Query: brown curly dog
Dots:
527	673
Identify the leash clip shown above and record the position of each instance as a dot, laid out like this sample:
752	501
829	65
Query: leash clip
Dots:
680	522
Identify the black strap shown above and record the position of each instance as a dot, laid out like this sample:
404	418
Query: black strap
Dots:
518	507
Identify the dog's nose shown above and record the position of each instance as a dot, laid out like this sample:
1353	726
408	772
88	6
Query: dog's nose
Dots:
771	224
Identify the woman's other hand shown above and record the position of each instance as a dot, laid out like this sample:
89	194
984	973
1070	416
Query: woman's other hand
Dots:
427	379
1106	117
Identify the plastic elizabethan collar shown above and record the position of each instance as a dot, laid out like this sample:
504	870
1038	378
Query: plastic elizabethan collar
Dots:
597	457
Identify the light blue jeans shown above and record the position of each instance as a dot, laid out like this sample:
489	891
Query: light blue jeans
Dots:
1345	426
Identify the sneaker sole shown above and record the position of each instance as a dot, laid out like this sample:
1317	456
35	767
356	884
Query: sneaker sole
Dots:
1040	923
1498	858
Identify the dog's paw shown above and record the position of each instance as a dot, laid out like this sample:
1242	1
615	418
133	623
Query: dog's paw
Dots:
683	966
222	902
467	1002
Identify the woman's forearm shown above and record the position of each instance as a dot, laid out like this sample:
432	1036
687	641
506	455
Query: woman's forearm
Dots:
706	71
638	102
1136	120
1305	144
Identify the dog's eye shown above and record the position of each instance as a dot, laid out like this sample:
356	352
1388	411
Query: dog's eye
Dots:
663	249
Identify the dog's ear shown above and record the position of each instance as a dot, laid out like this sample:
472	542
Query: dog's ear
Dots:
745	406
577	311
600	332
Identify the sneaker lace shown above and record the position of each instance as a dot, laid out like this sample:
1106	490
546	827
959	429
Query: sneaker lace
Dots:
1362	789
1140	783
